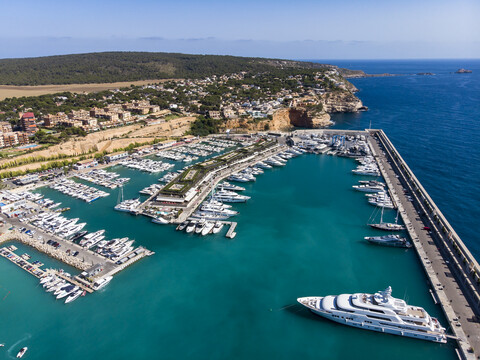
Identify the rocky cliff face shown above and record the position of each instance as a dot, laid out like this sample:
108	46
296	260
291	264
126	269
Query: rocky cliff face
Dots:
344	101
301	117
284	119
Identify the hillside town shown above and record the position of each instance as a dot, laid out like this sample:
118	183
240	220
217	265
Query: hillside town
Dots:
235	96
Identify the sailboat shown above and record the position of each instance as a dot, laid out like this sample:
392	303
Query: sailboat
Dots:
386	225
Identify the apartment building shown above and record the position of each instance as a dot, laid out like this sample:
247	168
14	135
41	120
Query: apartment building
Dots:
28	123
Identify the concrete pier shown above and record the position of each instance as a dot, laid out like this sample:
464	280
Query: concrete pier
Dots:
83	261
231	231
449	266
22	263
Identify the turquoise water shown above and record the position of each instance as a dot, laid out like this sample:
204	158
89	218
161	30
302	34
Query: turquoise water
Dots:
214	298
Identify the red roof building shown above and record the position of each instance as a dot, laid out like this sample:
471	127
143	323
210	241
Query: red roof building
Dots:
28	123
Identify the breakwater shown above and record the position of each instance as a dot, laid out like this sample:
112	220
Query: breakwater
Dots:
450	267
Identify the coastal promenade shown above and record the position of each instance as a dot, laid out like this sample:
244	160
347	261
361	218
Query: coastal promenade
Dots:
449	266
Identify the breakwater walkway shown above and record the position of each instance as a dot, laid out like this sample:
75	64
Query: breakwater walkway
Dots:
449	266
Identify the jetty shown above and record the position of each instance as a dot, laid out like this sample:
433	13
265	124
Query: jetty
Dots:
453	272
231	231
33	269
86	260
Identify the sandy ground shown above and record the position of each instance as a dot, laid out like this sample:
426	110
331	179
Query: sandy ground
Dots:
109	140
18	91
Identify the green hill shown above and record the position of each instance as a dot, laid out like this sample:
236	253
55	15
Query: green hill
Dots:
130	66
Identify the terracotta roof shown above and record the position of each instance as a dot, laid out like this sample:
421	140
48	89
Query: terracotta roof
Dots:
28	115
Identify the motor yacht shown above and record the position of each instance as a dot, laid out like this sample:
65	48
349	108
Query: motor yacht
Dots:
377	312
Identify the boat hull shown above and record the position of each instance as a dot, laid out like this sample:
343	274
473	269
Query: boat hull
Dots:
440	338
398	244
385	227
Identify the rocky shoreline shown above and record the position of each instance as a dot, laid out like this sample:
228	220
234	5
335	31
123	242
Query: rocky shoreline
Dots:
303	115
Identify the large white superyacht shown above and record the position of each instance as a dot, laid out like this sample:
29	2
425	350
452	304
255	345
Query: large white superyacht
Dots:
378	312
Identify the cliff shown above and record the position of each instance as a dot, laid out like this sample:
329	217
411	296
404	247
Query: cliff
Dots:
303	117
342	101
283	120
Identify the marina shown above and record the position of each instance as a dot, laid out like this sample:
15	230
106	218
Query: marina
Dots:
204	223
104	178
78	190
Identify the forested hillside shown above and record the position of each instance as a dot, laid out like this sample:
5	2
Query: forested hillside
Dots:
129	66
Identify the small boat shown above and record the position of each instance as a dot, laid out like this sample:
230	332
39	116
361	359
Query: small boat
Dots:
2	345
159	220
200	226
191	227
182	226
22	352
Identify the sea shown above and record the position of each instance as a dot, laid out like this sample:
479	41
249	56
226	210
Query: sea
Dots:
301	234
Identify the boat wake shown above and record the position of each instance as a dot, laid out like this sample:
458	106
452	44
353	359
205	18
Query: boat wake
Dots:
15	346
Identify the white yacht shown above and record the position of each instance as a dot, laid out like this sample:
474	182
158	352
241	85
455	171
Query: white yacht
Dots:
230	196
239	178
101	283
160	220
191	227
207	215
128	205
378	312
385	203
218	209
367	170
368	188
263	165
70	289
208	228
73	296
218	226
230	187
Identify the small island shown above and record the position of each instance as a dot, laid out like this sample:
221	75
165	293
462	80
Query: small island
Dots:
425	74
463	71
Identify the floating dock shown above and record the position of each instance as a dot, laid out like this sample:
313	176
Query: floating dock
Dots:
33	269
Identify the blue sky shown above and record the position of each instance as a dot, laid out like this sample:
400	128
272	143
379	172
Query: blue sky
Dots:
299	29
